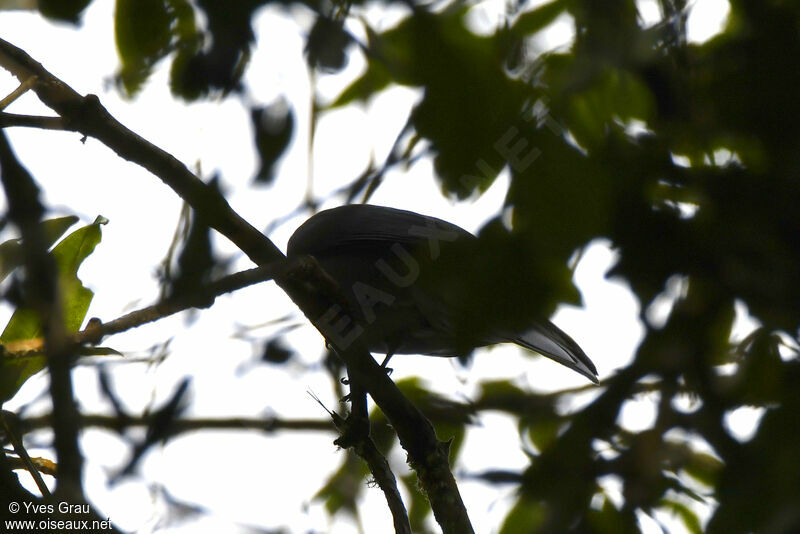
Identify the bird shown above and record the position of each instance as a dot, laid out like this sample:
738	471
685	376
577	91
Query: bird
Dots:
375	255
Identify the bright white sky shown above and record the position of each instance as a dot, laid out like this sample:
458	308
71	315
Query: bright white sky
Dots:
88	179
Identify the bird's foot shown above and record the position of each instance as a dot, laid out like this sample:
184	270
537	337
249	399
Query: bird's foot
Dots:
355	429
384	363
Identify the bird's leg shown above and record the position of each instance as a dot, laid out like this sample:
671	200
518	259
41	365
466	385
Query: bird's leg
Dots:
389	370
357	422
345	382
385	361
389	354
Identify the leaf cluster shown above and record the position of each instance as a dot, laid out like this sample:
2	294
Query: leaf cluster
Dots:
684	156
21	343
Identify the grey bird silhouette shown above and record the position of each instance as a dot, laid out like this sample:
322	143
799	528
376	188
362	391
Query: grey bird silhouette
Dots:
375	255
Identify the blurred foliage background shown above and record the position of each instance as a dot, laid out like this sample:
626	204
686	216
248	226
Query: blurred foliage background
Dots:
685	156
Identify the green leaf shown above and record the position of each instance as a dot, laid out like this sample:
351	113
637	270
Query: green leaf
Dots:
609	520
98	351
390	60
11	250
188	41
17	364
543	433
613	94
67	10
499	388
688	517
185	26
54	228
143	30
340	493
19	359
69	254
374	80
704	467
678	486
526	516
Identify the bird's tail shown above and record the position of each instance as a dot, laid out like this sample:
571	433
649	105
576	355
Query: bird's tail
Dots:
549	340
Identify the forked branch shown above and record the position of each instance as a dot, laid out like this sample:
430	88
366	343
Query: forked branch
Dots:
427	455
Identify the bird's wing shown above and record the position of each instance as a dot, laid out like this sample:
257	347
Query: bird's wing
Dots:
549	340
373	230
357	225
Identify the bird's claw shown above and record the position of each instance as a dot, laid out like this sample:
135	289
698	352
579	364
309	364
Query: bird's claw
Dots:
356	430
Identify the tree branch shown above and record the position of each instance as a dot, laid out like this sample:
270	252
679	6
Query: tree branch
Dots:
203	297
10	423
427	455
41	286
365	448
32	121
385	479
181	426
25	210
16	93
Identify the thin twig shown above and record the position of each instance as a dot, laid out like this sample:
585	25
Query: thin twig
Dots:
25	211
312	132
385	479
180	426
21	89
11	426
426	454
203	297
40	466
365	448
32	121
